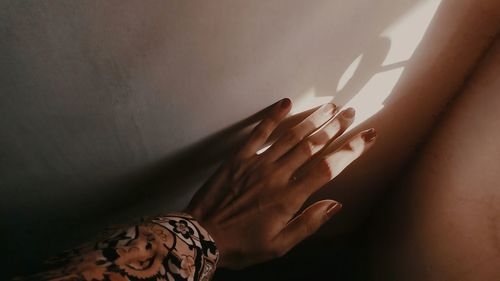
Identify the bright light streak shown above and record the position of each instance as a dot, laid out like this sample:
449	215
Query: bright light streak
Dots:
405	34
371	98
308	101
260	151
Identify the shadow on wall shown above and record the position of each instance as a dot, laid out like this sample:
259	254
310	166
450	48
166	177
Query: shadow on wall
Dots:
188	166
100	99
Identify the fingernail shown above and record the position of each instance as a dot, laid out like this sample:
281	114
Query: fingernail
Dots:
348	113
285	103
329	108
369	135
333	209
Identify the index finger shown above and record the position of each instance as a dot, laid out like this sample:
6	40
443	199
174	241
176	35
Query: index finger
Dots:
263	130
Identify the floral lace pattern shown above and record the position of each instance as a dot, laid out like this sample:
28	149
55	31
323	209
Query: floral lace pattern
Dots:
172	247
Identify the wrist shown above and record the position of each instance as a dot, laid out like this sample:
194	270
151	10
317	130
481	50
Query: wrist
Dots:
190	232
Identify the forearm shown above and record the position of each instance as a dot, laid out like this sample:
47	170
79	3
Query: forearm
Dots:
170	247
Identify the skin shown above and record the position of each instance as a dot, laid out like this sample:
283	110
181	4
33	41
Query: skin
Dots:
443	222
255	197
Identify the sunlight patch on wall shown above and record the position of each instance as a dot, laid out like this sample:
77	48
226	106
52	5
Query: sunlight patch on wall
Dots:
371	98
406	32
309	100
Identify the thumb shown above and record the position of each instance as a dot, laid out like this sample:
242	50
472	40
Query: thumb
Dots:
307	223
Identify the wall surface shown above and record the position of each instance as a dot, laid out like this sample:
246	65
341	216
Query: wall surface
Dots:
113	109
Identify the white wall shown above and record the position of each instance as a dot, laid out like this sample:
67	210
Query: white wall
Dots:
99	98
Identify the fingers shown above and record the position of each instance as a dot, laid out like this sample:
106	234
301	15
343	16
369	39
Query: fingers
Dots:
215	192
297	133
307	223
314	143
261	132
331	165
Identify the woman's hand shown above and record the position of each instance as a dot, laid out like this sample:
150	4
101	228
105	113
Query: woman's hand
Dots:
249	205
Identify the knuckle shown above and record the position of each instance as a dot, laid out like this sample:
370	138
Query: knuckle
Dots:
306	147
262	132
281	174
293	136
275	118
